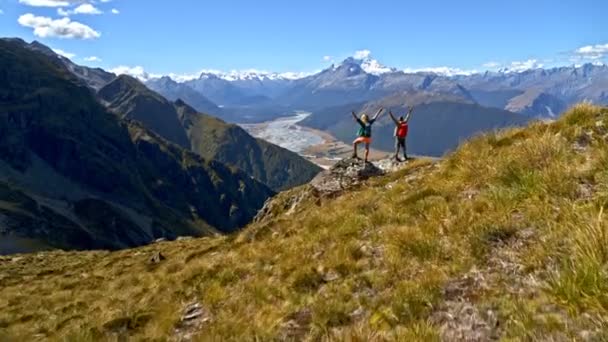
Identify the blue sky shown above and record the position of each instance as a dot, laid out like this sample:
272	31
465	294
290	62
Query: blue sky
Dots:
185	36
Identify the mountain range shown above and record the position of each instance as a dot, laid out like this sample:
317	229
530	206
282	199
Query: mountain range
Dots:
541	93
450	107
87	165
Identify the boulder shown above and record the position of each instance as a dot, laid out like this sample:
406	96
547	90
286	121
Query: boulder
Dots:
344	175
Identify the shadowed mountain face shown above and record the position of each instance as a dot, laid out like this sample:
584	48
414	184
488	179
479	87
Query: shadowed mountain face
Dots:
74	175
129	98
94	78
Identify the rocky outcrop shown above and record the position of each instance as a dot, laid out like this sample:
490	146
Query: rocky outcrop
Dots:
349	173
344	175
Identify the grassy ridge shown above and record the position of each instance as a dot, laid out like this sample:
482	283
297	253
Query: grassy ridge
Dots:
508	235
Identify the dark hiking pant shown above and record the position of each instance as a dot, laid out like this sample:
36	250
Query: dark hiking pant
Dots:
400	143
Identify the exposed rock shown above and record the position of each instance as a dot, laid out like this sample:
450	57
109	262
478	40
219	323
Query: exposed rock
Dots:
390	165
287	204
330	276
184	238
463	322
345	174
583	141
469	194
358	314
194	316
156	258
296	325
584	191
460	317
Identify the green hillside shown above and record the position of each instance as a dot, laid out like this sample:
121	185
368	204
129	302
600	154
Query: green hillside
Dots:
503	239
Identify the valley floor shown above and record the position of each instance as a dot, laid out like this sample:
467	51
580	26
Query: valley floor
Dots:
317	146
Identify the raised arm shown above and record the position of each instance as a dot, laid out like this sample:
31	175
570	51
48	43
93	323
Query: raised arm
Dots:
356	118
409	113
390	112
378	113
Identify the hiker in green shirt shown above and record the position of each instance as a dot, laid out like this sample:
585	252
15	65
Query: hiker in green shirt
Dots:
364	135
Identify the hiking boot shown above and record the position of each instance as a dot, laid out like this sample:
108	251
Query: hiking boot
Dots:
354	156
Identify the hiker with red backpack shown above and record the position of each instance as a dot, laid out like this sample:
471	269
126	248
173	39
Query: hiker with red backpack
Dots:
401	130
364	135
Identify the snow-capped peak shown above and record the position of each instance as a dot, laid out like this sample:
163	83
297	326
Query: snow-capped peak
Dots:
370	65
252	75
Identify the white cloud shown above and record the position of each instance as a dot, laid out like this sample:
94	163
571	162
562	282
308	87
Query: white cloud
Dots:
327	58
62	28
82	9
518	66
491	65
48	3
592	52
92	59
115	11
64	54
362	54
441	70
105	1
87	9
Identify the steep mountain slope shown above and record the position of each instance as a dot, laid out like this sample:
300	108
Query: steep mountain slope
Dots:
74	175
505	239
214	139
441	121
131	99
95	78
535	103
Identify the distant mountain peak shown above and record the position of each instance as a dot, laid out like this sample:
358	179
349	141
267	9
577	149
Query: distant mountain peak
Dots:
367	63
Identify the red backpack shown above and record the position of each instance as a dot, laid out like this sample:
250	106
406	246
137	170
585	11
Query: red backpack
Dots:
401	130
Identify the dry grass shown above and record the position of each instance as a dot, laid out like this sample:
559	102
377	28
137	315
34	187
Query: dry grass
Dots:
371	264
